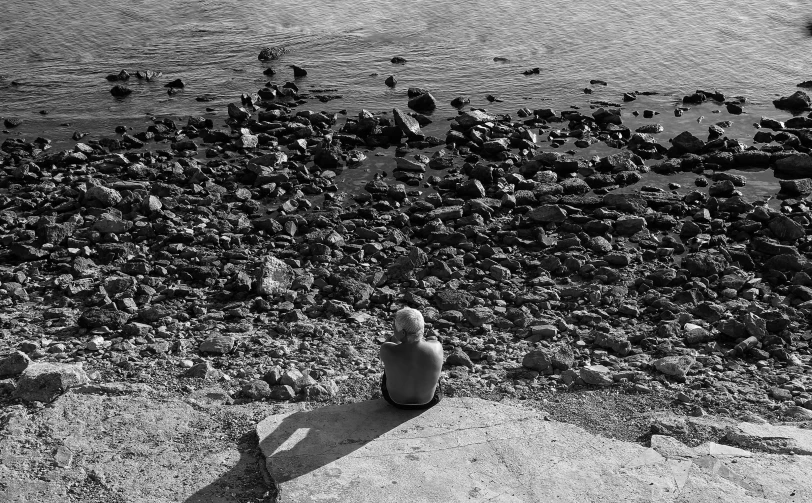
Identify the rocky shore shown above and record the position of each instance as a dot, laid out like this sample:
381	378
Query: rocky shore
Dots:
211	255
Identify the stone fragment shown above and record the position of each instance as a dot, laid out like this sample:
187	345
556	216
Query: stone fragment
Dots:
459	358
274	276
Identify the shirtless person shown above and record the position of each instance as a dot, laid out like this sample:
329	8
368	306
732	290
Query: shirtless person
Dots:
411	364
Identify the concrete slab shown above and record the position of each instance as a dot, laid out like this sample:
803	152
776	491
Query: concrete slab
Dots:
474	450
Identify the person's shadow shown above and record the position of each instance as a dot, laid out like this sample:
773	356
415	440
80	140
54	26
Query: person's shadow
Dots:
300	443
307	440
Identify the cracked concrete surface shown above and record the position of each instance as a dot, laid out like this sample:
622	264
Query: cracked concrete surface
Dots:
474	450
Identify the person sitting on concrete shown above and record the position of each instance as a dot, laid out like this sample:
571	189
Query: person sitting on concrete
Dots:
412	364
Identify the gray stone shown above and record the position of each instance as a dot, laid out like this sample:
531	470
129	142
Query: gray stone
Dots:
794	166
597	375
14	364
103	196
274	276
547	213
218	345
43	382
674	366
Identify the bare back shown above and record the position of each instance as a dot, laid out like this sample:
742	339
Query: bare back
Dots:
412	370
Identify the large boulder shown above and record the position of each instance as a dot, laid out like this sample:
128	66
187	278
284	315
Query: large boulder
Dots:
271	53
43	382
273	276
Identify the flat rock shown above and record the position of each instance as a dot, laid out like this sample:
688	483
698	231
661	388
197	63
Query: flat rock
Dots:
14	364
468	449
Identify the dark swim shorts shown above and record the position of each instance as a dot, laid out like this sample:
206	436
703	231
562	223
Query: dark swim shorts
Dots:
438	395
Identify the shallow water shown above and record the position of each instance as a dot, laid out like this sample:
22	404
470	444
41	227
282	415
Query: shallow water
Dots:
59	51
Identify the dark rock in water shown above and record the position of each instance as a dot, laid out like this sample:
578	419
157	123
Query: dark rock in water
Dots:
597	82
269	71
298	71
176	84
687	142
734	108
493	98
12	122
460	101
806	83
271	53
532	71
391	81
120	91
499	59
799	100
148	75
629	97
120	76
423	102
407	124
694	99
398	60
416	91
794	166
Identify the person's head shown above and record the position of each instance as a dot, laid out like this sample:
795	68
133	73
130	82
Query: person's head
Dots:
409	325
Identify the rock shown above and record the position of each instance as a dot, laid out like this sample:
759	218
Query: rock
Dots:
203	370
628	225
674	366
103	196
218	345
615	341
12	122
27	253
397	60
98	317
423	102
547	213
14	364
120	91
687	142
798	187
238	113
43	382
704	264
794	166
175	84
274	276
256	390
459	358
407	124
282	392
391	81
786	229
478	316
298	71
562	357
406	265
537	360
596	375
460	101
799	100
271	53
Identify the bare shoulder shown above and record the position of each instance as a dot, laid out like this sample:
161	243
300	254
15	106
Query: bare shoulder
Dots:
434	344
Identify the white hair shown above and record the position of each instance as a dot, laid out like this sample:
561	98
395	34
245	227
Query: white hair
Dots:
410	322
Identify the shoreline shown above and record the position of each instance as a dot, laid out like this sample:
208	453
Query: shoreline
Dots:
540	271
